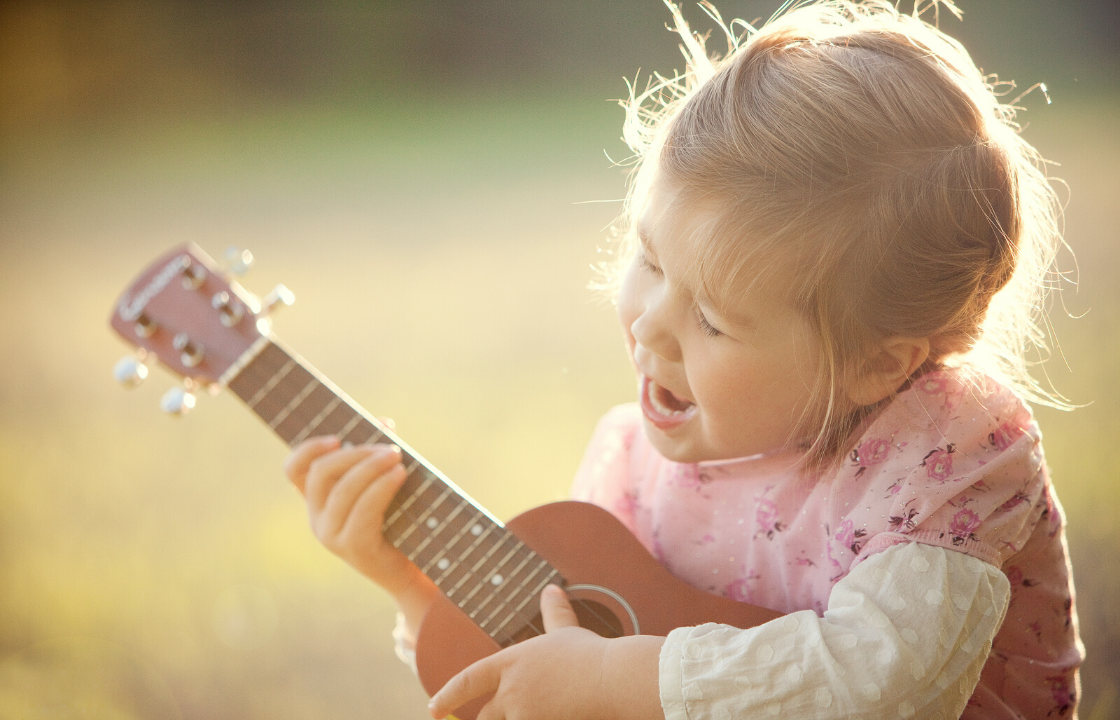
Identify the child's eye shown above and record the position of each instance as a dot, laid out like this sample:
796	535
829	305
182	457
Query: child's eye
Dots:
706	326
645	263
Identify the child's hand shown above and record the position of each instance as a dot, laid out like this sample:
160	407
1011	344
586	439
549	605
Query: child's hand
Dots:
568	673
347	490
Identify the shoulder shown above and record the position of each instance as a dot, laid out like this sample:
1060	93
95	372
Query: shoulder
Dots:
955	460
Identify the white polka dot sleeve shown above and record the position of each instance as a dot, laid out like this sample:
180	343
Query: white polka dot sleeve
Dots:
906	634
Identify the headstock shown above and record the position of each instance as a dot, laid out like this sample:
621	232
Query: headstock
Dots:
193	317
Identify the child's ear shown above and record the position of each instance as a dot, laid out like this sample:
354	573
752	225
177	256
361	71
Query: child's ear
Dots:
887	367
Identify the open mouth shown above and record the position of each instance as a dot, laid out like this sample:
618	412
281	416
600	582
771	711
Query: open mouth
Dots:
662	408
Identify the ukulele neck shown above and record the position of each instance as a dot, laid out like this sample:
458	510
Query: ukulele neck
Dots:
479	565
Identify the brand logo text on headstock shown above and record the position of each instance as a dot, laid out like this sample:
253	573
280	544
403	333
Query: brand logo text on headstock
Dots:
131	307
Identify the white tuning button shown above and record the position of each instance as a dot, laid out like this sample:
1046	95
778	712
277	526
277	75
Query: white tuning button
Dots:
230	311
129	371
279	297
191	351
177	401
238	260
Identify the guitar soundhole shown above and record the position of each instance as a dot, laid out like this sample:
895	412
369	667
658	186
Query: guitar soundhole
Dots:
592	615
598	618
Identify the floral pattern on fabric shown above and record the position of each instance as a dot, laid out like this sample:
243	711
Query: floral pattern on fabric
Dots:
954	461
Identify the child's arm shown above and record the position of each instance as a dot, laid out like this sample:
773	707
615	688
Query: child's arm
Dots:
906	634
347	490
568	672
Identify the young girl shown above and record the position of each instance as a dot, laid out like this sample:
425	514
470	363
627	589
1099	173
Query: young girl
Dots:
834	248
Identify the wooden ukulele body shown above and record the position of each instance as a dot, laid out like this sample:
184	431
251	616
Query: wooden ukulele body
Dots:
591	549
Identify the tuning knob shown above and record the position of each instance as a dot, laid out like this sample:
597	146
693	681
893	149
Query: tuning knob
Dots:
193	273
238	261
279	297
177	401
191	351
129	371
229	309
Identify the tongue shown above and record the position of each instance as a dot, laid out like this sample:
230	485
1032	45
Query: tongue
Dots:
671	401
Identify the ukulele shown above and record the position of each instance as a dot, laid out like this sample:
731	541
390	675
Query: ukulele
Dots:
206	328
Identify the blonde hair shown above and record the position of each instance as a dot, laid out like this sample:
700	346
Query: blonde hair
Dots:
859	150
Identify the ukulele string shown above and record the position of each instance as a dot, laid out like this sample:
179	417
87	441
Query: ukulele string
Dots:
528	621
413	516
414	519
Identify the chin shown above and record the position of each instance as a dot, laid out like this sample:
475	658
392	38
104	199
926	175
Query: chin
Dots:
680	450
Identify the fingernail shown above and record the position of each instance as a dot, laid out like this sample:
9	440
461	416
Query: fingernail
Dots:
382	450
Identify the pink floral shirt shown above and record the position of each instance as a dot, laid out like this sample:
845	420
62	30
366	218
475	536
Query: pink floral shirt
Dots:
953	462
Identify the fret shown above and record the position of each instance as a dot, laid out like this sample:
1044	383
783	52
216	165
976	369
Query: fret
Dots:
517	610
552	574
435	527
426	518
293	403
374	435
477	541
449	537
273	405
317	420
453	564
485	580
499	585
533	596
248	357
348	427
498	582
273	382
408	531
407	503
261	368
299	419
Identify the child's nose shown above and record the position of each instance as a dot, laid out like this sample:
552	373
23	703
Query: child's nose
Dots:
653	329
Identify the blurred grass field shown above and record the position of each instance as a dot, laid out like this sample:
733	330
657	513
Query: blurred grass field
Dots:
160	568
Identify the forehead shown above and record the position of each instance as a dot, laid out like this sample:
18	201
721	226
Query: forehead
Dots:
715	250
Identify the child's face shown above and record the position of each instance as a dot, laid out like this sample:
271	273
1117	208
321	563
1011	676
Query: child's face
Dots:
713	385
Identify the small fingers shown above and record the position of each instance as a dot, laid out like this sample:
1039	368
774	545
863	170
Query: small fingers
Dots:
556	609
359	500
479	679
299	460
328	469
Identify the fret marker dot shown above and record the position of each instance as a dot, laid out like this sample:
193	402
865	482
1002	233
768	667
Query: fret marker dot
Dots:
496	579
476	530
432	522
443	564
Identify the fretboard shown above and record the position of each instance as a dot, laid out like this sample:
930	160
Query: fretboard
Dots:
478	564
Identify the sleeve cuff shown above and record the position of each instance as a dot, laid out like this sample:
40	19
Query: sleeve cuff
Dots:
670	679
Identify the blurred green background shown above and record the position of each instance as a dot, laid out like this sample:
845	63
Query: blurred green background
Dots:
430	179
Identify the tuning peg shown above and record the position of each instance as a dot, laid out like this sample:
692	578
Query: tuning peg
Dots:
279	297
130	371
230	310
193	273
177	401
191	351
238	261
